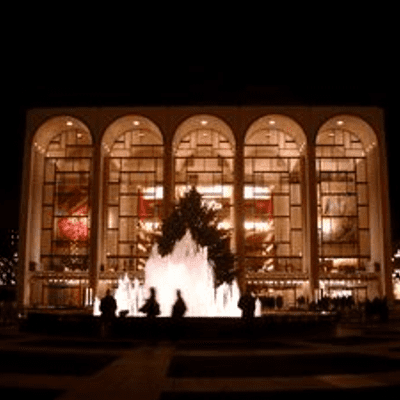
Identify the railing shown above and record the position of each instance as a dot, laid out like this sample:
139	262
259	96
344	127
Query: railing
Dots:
349	276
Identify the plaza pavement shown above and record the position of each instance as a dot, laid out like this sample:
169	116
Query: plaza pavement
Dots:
142	370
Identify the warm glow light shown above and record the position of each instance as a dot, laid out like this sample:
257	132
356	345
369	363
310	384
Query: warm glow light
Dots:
204	122
258	226
153	193
327	226
208	191
69	123
338	262
257	192
215	205
272	122
151	226
340	122
338	293
136	123
396	290
224	225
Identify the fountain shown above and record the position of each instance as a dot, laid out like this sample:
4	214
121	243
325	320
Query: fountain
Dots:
186	268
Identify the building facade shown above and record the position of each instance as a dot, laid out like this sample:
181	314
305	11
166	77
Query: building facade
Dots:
303	192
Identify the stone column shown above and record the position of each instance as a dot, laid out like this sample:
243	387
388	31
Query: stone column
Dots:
168	178
25	229
239	213
35	219
311	228
96	191
379	222
388	251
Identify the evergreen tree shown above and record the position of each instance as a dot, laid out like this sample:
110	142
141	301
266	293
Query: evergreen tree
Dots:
202	222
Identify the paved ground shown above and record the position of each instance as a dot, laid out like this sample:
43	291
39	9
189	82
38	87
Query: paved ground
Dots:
358	360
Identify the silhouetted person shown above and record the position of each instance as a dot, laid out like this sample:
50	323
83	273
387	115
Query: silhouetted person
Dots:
108	306
151	308
178	311
247	303
179	308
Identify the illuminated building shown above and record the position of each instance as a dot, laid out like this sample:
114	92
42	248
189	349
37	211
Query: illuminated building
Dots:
302	190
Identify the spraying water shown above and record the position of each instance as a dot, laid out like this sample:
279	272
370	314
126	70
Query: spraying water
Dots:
186	268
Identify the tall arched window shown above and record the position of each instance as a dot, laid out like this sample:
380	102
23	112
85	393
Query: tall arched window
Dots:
65	236
343	199
133	193
203	153
58	227
273	178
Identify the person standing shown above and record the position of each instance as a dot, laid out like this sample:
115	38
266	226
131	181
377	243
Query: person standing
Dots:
179	308
152	309
108	306
247	303
178	311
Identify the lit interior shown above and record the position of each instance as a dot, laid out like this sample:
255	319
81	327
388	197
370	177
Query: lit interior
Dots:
132	192
272	193
343	202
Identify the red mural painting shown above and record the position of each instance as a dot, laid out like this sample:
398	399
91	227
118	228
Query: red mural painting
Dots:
75	226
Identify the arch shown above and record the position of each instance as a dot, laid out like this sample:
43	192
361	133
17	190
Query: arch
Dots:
131	122
203	156
353	124
347	165
56	125
60	210
202	137
202	121
273	195
277	122
133	183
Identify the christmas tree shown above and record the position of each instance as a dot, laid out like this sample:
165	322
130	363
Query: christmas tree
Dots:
202	221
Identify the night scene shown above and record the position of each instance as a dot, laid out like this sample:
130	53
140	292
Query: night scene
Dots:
199	232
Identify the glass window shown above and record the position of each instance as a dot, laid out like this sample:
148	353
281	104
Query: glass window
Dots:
297	243
364	242
343	204
49	170
272	194
48	192
127	206
66	202
47	218
113	217
204	159
296	217
363	217
134	186
46	242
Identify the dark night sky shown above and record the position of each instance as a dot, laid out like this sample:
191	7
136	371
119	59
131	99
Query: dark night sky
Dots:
68	79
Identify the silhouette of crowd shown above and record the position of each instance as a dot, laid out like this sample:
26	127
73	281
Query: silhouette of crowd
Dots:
367	309
343	306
